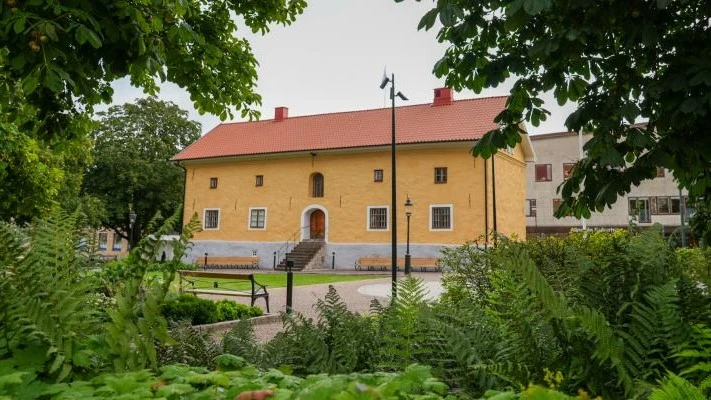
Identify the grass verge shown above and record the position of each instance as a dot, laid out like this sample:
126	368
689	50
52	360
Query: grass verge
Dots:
272	281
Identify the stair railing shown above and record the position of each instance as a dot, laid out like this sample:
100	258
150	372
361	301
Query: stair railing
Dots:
289	245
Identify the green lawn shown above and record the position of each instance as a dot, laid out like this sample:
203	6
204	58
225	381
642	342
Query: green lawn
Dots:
278	280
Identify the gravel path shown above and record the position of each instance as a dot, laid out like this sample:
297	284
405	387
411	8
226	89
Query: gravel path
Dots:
357	296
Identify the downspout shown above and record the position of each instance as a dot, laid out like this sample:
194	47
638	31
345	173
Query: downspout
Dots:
486	205
493	195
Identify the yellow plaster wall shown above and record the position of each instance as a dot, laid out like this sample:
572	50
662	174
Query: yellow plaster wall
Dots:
511	194
349	190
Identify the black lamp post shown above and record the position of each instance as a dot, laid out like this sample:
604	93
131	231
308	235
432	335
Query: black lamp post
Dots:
393	218
132	221
408	213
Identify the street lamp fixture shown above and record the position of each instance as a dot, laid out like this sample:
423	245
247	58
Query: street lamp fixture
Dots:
408	213
393	218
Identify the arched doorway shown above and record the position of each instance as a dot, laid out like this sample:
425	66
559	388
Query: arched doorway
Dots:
317	225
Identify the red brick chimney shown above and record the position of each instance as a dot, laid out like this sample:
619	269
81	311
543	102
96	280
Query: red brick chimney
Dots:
281	113
442	97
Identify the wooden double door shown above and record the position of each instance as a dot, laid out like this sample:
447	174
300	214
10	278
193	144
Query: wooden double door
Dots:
317	223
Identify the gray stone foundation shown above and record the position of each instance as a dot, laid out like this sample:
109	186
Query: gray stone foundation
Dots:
346	254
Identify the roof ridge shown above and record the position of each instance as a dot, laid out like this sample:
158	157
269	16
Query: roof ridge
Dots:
356	111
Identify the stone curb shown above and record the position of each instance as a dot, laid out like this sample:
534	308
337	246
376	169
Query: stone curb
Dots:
226	325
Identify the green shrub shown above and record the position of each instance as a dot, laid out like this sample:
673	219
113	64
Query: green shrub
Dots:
696	262
229	310
466	278
187	307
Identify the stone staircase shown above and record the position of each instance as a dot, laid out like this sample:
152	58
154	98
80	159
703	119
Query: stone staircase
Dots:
302	254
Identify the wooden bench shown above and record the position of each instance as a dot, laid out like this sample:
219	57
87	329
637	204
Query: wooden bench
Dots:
372	263
424	264
384	263
228	262
189	278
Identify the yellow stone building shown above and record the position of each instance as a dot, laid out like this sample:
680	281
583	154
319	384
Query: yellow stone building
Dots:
261	187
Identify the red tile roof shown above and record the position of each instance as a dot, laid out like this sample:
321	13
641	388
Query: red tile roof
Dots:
424	123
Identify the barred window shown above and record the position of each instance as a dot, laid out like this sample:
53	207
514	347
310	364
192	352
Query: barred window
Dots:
257	218
212	219
441	217
213	183
259	180
377	218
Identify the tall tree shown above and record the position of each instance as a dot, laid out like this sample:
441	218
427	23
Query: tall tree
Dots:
131	170
59	57
622	62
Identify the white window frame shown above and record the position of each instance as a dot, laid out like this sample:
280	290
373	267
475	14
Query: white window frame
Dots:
204	219
249	218
387	219
530	211
103	245
451	218
116	246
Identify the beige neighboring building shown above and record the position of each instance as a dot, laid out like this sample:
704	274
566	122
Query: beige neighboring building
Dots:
653	201
111	245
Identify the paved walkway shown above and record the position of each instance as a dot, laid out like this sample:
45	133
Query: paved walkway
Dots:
357	296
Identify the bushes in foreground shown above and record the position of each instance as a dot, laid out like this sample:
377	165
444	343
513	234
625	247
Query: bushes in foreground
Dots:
236	380
616	313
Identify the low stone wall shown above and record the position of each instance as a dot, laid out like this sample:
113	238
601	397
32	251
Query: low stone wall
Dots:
227	325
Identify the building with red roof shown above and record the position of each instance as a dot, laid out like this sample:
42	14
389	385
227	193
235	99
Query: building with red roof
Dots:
262	187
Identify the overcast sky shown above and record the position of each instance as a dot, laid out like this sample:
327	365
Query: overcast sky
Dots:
332	58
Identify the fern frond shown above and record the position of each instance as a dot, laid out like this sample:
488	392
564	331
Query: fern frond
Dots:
47	295
189	346
674	387
136	325
399	326
608	347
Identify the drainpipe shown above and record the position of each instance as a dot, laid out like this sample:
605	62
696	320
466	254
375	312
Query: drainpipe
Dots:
682	211
580	157
486	205
493	196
